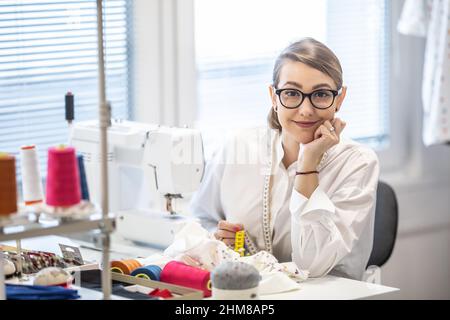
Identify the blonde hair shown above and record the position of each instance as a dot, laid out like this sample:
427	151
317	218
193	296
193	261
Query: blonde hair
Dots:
312	53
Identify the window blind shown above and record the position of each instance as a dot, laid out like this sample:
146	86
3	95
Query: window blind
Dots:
48	48
359	33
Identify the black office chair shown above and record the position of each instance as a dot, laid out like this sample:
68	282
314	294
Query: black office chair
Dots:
386	222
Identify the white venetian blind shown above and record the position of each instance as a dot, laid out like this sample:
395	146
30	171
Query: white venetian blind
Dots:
359	33
48	48
237	43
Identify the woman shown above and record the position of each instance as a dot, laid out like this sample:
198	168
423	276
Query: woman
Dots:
297	189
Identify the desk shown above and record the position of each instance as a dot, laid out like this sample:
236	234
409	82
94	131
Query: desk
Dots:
325	288
334	288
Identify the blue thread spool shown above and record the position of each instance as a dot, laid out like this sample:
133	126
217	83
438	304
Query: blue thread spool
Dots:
148	272
83	181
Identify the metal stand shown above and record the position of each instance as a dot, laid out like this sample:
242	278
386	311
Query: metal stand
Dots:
105	122
106	223
22	277
2	278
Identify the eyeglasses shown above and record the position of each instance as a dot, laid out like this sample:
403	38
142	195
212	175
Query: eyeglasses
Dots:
320	99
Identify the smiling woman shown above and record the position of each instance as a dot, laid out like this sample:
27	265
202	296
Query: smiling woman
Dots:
310	66
315	190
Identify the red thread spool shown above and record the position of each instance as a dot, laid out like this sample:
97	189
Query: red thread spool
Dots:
63	178
183	275
8	186
125	266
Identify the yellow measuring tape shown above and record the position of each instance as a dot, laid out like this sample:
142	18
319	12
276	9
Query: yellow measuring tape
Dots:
239	242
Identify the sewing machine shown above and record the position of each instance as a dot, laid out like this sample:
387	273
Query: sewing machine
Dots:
149	166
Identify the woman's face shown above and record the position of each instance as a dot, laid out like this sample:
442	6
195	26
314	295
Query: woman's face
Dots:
301	123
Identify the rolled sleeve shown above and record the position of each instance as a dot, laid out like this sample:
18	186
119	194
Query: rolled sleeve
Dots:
206	204
326	227
318	203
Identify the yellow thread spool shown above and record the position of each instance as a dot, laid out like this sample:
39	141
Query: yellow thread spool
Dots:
143	275
116	270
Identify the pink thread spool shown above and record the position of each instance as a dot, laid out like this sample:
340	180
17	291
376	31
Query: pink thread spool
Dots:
183	275
63	178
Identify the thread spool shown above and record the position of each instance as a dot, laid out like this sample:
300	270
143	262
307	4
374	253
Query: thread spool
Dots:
151	272
125	266
233	280
183	275
63	180
83	181
31	176
8	186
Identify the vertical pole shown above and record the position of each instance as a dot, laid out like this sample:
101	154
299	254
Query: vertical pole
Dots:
19	257
2	278
104	117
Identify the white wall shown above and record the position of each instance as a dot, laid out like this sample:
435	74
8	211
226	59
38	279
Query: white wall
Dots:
420	264
164	89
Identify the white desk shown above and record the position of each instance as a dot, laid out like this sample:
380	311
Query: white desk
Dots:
326	288
334	288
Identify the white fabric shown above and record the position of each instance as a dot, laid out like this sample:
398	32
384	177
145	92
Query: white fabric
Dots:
155	260
276	282
331	230
194	246
434	23
414	18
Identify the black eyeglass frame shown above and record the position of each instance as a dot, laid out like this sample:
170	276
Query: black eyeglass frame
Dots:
304	95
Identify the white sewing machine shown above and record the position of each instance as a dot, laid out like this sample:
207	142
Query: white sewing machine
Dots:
148	166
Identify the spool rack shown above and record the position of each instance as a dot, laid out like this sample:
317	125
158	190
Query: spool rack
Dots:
33	228
104	221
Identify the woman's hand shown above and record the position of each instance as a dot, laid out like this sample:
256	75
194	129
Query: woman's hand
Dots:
226	232
324	138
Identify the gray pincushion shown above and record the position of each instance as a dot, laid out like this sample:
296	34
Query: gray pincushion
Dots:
230	275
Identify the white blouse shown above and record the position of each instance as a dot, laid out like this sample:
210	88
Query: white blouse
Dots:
330	231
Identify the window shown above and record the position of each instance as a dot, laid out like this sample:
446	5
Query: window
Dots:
238	41
48	48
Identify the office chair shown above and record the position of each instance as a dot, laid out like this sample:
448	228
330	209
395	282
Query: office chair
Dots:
386	222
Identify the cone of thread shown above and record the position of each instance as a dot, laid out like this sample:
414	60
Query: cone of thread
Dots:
187	276
63	179
83	179
125	266
8	186
31	176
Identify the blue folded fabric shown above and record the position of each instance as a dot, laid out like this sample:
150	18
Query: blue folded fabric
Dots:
30	292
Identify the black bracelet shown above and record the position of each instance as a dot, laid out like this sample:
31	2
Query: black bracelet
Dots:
306	172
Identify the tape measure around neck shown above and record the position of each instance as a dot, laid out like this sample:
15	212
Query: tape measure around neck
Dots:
266	215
